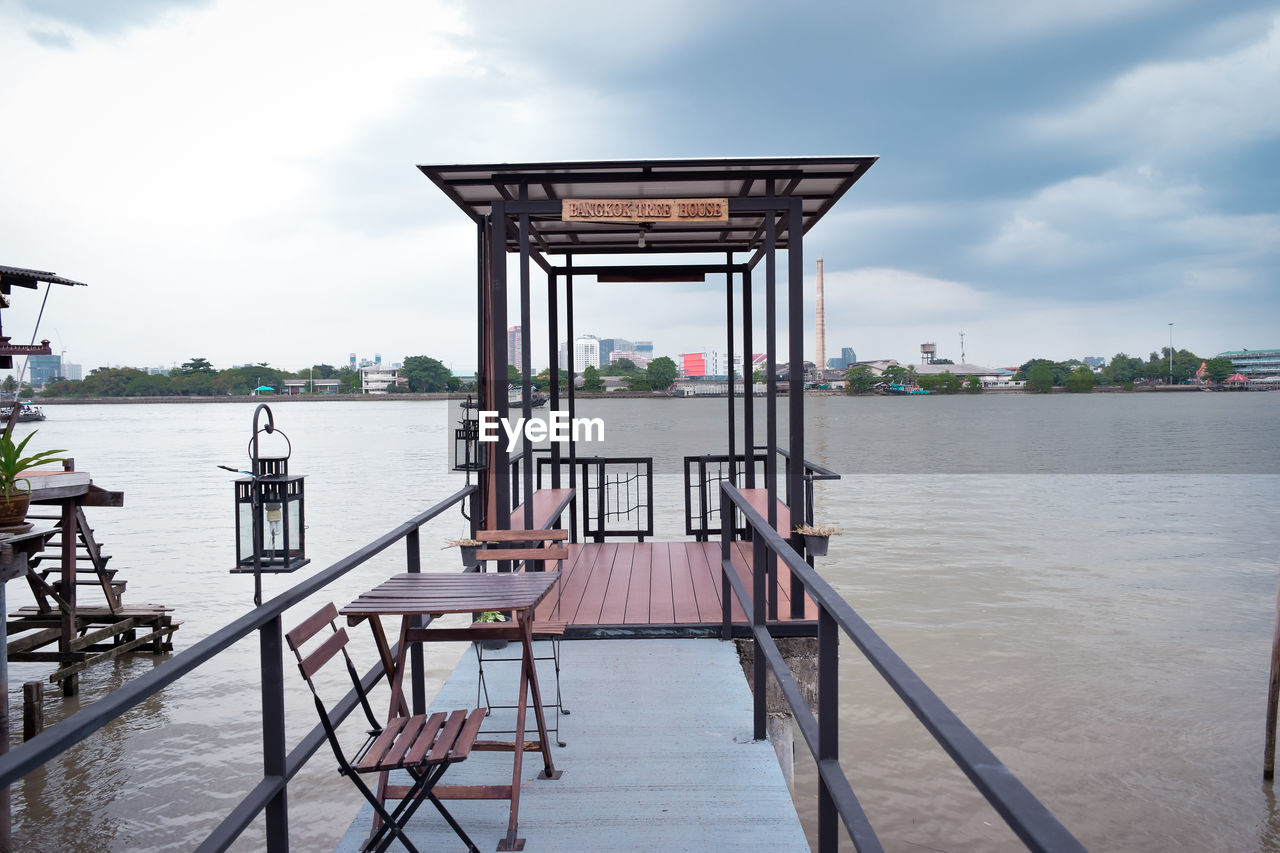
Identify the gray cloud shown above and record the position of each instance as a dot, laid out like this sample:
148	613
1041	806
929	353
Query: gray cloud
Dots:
59	40
103	18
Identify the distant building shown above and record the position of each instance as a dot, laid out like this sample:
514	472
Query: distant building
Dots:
847	357
43	369
631	355
586	352
515	347
1094	362
692	364
644	349
608	346
1254	362
375	379
74	372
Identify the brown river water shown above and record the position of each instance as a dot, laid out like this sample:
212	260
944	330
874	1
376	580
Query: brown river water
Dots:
1089	581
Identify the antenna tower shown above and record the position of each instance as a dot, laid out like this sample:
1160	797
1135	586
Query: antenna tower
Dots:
963	360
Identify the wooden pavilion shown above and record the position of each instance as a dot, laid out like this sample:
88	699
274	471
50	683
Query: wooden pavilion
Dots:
646	221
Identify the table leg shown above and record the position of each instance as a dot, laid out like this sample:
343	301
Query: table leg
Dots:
531	667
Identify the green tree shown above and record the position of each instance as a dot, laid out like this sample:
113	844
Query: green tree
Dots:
198	365
591	380
322	371
943	361
949	383
514	376
895	373
662	371
1219	368
1123	369
859	379
758	377
1040	378
425	374
9	385
973	384
1080	381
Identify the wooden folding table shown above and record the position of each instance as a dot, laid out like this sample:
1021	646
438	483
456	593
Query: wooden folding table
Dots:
411	594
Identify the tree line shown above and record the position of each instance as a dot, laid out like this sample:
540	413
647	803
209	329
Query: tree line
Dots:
1043	375
198	378
423	374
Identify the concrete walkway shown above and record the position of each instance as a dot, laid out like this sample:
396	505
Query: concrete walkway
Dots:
658	756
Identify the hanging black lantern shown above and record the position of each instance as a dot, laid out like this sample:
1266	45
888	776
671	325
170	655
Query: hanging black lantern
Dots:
469	452
270	514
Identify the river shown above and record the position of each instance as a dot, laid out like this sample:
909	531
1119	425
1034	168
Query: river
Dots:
1089	582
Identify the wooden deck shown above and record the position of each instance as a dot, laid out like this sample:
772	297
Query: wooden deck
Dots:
660	589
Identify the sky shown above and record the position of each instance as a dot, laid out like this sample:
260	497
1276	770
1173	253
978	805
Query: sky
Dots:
236	181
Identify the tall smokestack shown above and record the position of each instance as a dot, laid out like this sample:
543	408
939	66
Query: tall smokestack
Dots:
821	363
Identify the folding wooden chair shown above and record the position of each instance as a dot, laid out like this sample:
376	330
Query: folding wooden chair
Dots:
424	746
536	548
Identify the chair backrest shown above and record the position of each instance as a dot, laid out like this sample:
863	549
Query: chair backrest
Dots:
329	646
535	545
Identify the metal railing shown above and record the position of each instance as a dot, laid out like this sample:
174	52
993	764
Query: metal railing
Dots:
615	493
279	766
703	474
1029	819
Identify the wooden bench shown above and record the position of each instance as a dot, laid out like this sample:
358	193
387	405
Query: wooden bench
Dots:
759	500
548	506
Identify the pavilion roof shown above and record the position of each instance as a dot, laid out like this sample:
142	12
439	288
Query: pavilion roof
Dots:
818	181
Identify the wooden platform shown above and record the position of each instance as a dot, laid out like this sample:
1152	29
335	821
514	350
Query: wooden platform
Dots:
659	589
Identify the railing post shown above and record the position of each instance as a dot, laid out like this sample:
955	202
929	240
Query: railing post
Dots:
418	688
726	591
273	736
828	726
759	709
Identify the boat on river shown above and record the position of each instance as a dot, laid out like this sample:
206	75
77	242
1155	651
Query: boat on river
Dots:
27	413
899	389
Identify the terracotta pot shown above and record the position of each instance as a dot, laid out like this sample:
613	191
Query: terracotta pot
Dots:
14	510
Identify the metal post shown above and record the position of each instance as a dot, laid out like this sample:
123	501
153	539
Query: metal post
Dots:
728	304
553	316
1273	699
760	556
1170	353
748	384
795	342
573	411
526	361
481	498
771	360
6	819
413	564
273	735
498	327
726	591
828	725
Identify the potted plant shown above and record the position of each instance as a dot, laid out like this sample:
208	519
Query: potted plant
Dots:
816	537
492	616
14	498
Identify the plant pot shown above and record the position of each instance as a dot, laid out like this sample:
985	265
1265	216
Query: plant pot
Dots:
816	545
14	510
494	645
468	554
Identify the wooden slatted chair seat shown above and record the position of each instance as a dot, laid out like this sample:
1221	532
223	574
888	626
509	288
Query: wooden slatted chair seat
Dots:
422	745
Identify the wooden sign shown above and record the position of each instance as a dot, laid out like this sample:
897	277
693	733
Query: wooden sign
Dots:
644	210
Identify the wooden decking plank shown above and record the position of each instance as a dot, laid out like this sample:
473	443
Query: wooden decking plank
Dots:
705	587
661	604
597	585
614	608
639	597
685	601
710	557
552	607
574	583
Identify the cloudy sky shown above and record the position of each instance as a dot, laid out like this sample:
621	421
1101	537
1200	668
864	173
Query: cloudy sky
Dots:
235	179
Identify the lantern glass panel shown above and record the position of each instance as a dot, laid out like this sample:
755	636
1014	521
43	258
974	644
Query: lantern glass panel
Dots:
244	533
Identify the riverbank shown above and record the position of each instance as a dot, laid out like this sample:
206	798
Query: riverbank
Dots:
580	395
